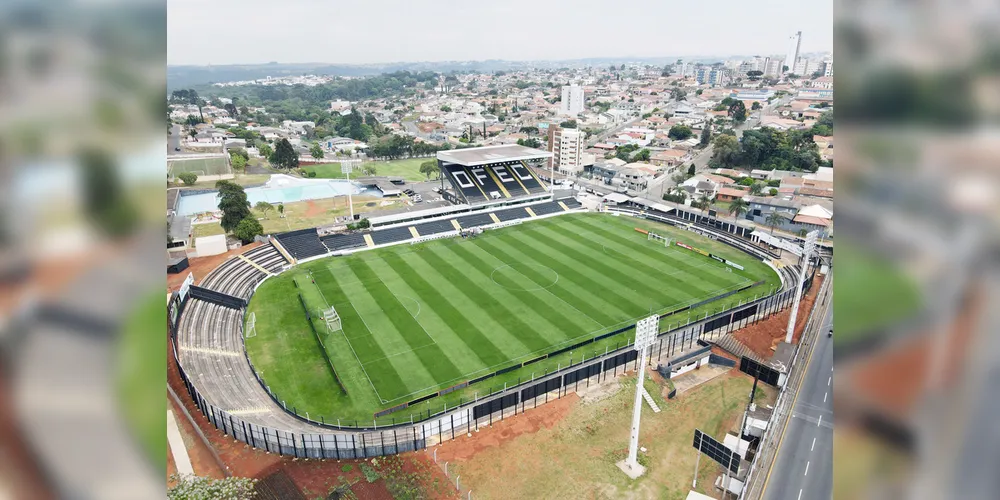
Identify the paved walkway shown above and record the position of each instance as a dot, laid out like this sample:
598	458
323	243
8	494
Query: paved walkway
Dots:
694	378
177	448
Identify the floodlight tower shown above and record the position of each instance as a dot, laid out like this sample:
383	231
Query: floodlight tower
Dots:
807	250
345	168
645	333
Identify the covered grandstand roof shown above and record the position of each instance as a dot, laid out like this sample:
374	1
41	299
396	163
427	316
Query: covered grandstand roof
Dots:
492	154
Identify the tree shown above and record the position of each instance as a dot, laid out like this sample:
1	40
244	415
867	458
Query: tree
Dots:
568	124
738	111
316	152
706	134
265	151
774	219
738	207
445	108
680	132
284	155
755	106
248	229
678	94
105	201
756	188
238	163
530	142
234	152
233	203
428	168
369	169
281	210
263	207
188	178
691	170
188	487
642	155
773	192
726	150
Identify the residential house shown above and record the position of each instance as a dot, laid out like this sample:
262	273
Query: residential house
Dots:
636	178
761	207
605	171
759	174
728	172
670	159
706	185
730	194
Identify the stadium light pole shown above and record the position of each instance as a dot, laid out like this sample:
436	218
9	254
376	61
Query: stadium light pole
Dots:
645	333
807	250
346	168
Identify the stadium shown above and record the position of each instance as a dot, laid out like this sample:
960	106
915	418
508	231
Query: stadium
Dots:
433	323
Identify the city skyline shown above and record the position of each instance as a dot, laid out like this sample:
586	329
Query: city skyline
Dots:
456	31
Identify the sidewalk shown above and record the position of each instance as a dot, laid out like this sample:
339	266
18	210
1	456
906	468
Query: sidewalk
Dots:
176	446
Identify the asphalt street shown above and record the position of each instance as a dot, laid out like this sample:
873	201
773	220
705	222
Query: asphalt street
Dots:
803	468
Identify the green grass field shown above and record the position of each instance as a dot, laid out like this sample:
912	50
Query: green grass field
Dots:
408	169
871	291
202	166
420	318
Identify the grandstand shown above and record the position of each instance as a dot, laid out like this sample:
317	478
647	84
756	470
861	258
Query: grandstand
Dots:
491	174
238	275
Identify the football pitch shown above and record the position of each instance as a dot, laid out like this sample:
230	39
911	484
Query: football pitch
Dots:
200	166
420	318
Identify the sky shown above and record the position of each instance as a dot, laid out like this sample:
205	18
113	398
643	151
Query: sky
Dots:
380	31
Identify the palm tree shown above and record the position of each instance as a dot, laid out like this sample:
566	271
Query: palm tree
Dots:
738	207
281	210
773	219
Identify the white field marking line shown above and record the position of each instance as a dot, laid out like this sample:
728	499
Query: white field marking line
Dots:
807	469
344	333
400	353
811	448
536	289
414	317
545	289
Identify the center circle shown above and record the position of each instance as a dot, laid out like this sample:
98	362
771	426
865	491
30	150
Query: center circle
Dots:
524	277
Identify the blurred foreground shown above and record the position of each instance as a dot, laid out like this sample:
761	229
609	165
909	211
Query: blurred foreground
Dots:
82	356
918	174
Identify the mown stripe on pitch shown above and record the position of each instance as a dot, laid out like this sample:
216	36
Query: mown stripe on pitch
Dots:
562	327
612	291
461	327
432	357
365	346
658	292
498	311
505	340
562	289
638	256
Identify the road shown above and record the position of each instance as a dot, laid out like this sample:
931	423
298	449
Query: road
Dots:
803	468
174	139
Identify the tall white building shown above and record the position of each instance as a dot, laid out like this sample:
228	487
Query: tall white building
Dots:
572	100
828	67
794	44
566	146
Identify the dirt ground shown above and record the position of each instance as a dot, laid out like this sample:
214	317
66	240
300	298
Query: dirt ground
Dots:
571	451
764	336
314	478
201	266
313	209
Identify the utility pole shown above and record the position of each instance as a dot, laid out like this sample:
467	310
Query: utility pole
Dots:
645	334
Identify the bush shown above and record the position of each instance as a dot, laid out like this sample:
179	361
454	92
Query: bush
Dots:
361	224
774	183
248	229
347	468
370	474
188	178
311	174
774	191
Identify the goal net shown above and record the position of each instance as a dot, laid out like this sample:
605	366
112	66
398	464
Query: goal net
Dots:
250	329
651	236
332	319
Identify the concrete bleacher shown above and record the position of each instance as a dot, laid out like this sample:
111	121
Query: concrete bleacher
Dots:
238	277
347	241
391	235
546	208
571	202
303	243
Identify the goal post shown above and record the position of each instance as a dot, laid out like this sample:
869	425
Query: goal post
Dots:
250	329
651	236
332	319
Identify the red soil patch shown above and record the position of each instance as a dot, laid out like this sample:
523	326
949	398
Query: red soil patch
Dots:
529	422
201	266
764	336
312	209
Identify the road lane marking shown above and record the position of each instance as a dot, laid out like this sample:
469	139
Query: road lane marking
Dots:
828	380
807	469
800	493
820	421
824	396
813	445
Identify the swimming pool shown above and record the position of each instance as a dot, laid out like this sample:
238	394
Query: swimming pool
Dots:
280	189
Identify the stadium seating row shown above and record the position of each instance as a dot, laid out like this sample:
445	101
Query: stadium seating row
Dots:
303	243
336	242
237	277
484	183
